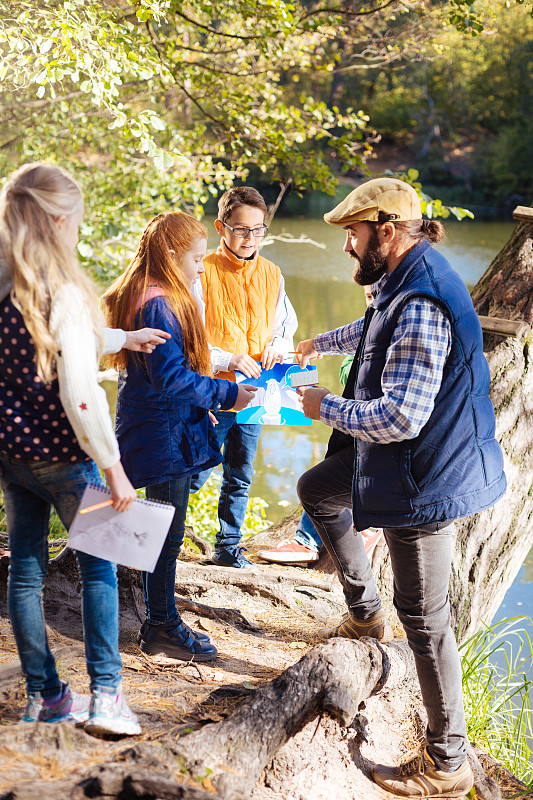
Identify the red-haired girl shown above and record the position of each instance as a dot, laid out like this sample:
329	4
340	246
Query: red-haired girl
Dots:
163	426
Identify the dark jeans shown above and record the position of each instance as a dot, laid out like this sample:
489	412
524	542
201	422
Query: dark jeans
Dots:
325	492
421	563
239	446
160	585
30	489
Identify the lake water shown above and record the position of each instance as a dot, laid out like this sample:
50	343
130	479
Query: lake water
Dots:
320	286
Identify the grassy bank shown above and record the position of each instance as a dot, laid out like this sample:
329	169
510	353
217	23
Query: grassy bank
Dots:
498	693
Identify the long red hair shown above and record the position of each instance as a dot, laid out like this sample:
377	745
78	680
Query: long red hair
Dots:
155	264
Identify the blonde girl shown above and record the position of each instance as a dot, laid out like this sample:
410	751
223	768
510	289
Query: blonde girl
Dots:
55	432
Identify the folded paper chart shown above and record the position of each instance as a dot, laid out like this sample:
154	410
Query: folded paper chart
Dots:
133	538
276	401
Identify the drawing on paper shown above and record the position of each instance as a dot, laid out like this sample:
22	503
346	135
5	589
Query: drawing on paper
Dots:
275	402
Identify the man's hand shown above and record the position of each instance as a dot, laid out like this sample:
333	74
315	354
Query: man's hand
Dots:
245	364
269	357
305	352
244	395
145	340
311	398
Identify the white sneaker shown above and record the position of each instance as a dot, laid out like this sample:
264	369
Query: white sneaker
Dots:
109	713
289	552
67	706
371	537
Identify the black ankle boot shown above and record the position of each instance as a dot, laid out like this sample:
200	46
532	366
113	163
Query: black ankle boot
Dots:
202	637
175	640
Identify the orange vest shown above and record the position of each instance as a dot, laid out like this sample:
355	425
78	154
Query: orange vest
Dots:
240	298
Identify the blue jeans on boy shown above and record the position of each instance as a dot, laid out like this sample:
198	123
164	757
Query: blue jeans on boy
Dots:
306	533
239	446
160	585
29	490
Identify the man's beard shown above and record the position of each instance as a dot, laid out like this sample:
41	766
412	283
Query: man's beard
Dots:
373	265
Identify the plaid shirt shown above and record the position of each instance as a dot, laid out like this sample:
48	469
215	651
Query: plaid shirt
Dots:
410	381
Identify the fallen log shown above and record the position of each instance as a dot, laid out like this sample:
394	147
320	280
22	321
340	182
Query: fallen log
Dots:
228	757
333	678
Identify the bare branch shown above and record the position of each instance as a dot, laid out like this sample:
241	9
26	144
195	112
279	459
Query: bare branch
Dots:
272	210
345	12
214	31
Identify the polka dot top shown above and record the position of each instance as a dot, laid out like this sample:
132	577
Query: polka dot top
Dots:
33	425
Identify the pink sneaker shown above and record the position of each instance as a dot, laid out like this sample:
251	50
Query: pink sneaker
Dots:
289	552
370	538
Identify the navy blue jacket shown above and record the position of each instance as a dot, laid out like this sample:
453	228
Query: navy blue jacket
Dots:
454	467
162	425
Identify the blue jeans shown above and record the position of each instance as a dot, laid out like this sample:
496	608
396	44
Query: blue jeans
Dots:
239	446
421	564
30	489
160	585
307	534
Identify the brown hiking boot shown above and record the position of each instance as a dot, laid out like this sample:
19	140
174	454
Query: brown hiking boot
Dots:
377	626
420	777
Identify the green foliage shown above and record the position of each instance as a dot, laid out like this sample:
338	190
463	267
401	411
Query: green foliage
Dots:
462	105
203	516
471	19
495	662
430	208
160	104
504	163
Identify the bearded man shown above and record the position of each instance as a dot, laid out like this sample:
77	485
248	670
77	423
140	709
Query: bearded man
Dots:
417	406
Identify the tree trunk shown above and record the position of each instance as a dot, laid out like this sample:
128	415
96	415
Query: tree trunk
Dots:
492	545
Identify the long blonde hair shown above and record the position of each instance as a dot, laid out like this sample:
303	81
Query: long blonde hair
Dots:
155	264
33	198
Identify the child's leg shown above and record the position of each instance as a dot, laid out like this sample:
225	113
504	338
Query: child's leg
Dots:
98	579
100	621
164	632
27	523
239	452
307	534
159	585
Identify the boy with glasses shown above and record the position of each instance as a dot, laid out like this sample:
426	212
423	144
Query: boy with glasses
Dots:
250	324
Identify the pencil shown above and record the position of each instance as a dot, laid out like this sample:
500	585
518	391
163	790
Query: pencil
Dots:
96	507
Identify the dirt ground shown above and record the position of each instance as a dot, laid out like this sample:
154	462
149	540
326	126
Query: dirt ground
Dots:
262	623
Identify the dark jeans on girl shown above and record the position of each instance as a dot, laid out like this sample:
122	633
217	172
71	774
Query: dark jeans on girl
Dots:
159	585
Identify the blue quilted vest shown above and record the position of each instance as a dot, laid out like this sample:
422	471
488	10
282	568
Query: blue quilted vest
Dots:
454	467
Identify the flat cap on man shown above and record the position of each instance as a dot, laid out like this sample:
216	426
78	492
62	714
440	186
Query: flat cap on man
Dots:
377	200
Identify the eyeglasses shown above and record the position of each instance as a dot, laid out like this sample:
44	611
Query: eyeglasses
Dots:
243	233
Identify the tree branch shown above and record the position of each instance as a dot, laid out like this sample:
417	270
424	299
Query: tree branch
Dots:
214	31
345	12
